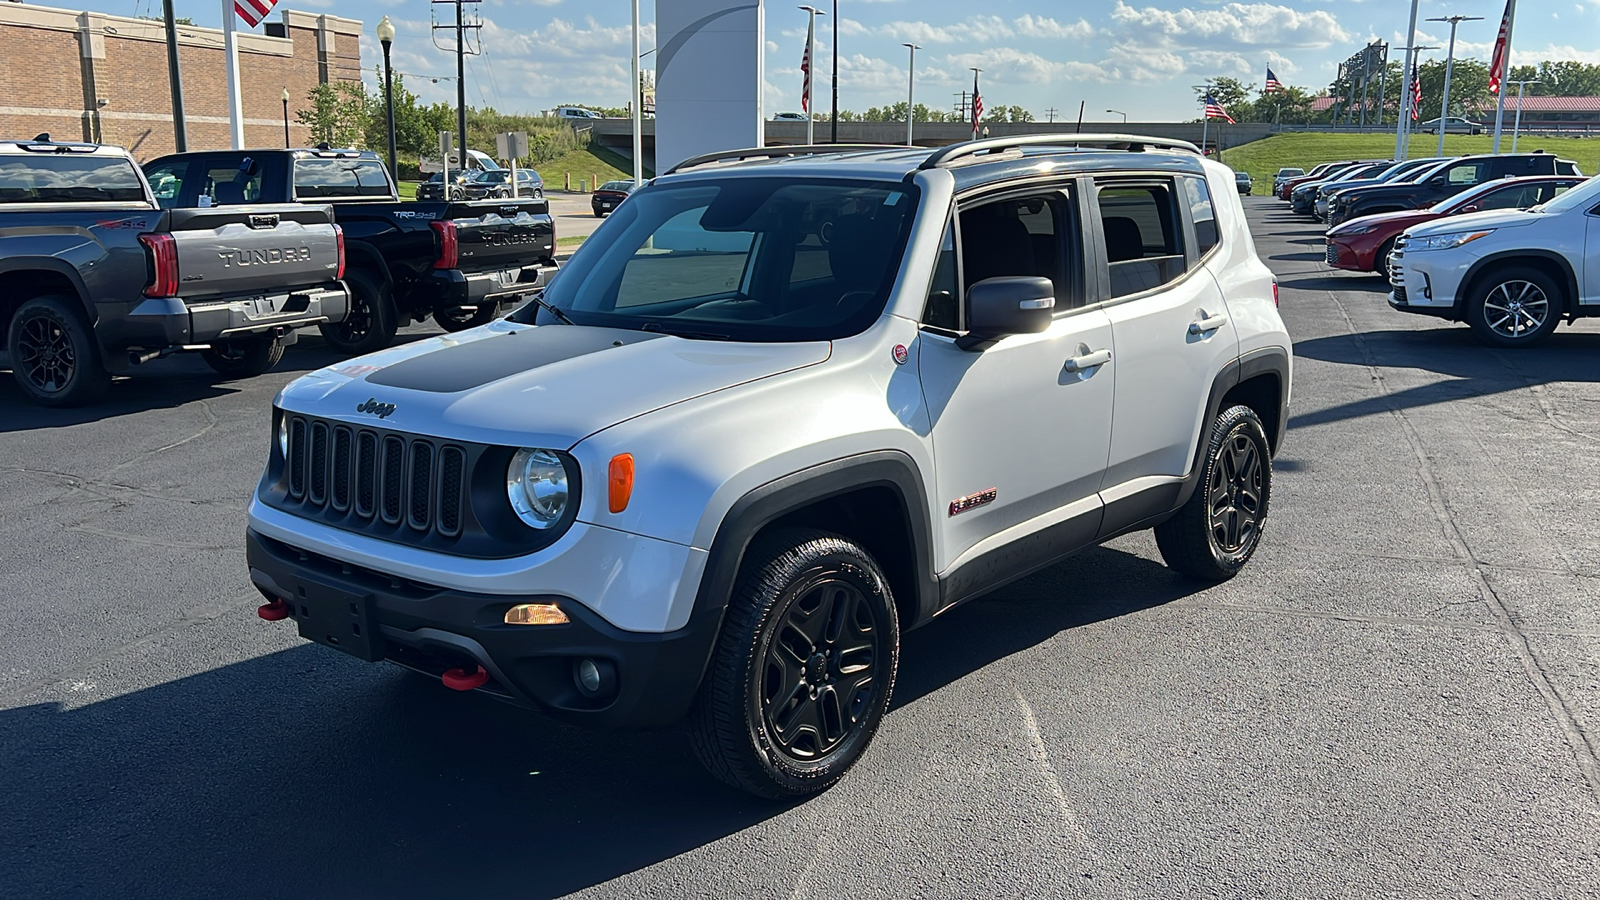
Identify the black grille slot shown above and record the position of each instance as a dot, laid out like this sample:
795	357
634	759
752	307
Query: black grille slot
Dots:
421	494
297	458
1333	253
366	473
452	466
342	439
319	464
394	471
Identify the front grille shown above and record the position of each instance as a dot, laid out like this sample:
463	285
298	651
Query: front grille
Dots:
376	479
1332	253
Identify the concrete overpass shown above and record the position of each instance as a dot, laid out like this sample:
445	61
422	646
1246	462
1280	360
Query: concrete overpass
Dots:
617	134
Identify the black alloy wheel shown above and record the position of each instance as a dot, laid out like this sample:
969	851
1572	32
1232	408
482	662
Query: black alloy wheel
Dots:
1218	529
54	357
369	323
803	668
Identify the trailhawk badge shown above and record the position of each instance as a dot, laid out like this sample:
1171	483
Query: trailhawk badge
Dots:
901	354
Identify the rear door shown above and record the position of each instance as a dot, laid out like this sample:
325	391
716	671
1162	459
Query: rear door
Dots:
1169	322
1590	276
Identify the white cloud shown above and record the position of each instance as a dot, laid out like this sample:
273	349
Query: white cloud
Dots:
1232	25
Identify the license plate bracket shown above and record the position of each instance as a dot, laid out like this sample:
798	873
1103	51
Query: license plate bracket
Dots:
337	618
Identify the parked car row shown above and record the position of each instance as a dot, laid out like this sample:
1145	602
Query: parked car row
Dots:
486	184
231	253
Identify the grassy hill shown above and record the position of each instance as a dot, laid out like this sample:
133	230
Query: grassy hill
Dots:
1264	157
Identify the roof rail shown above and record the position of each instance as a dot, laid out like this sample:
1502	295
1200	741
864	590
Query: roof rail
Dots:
775	152
966	151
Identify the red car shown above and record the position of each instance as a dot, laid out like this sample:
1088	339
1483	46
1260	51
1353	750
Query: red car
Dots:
1323	170
1363	245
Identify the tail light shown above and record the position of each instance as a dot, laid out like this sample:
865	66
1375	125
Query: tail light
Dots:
338	233
449	248
1274	292
163	250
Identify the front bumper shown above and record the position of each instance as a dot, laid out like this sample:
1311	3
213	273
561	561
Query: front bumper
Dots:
1426	282
653	677
158	323
453	287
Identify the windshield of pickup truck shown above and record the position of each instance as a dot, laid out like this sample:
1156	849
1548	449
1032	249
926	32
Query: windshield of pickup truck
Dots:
743	258
69	179
322	178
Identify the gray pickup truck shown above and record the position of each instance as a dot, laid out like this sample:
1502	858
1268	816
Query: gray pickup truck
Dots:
96	278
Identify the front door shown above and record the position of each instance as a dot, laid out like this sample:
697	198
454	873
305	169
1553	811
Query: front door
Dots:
1019	430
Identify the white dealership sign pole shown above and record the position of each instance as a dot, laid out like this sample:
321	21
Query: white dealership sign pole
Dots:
708	77
230	51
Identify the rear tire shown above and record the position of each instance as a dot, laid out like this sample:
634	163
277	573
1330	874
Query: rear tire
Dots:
1516	306
369	326
803	669
244	358
54	355
1218	530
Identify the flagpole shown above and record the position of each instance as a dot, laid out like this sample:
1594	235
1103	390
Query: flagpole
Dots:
230	52
1205	120
811	65
1405	93
1505	73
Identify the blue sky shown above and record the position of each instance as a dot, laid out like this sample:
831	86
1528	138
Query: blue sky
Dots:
1139	56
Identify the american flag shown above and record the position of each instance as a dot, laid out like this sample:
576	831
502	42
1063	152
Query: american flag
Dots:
1214	110
805	69
1497	60
253	11
1273	84
1416	94
977	105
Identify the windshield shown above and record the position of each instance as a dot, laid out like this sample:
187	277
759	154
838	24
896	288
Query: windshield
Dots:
340	178
744	258
494	176
1583	196
616	186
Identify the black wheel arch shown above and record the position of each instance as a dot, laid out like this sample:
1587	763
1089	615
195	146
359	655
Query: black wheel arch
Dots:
23	278
1557	265
365	257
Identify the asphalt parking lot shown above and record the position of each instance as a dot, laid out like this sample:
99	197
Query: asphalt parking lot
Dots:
1400	697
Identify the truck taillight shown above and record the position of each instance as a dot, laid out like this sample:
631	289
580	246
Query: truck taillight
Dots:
1274	291
338	234
163	249
449	248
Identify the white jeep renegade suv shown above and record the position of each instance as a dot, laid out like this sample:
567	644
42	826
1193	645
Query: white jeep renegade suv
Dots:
777	411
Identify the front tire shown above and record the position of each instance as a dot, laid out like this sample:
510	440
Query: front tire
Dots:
803	668
369	325
1217	531
1516	306
1380	260
244	358
54	355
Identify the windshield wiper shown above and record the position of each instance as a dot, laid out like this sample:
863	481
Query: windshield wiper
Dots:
659	328
551	308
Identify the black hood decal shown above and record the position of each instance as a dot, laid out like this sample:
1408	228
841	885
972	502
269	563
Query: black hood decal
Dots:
463	367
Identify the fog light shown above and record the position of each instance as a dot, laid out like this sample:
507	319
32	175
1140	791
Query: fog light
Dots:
536	614
589	676
595	678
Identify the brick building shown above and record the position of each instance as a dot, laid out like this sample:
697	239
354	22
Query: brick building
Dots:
96	77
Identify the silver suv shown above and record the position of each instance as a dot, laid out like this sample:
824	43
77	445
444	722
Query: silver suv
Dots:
783	406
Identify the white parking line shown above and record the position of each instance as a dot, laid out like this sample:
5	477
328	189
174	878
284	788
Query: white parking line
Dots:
1041	758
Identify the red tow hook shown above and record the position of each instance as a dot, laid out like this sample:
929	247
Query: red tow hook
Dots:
459	680
274	611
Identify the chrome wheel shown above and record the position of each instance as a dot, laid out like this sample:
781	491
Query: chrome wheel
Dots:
45	354
1235	494
1516	309
819	675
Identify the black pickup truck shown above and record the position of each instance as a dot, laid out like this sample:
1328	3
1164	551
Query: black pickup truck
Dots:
1444	181
457	261
95	277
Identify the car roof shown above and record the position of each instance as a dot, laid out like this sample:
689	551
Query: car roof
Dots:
42	144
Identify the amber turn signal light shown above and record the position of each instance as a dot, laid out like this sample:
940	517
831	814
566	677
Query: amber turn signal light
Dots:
536	614
621	481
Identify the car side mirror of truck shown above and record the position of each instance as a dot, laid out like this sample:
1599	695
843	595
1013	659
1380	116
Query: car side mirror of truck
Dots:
1007	305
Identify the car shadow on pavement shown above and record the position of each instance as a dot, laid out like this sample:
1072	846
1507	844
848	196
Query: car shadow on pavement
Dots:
1368	282
1473	370
302	773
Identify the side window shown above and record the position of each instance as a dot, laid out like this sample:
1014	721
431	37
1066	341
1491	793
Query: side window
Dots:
1029	235
229	184
1508	198
1466	174
166	180
1142	245
1549	192
1202	213
943	309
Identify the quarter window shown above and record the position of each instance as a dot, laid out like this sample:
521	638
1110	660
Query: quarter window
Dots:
1202	213
944	308
166	180
1143	250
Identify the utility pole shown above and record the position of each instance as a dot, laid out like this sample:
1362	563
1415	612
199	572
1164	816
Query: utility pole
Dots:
460	28
1449	66
180	135
1050	115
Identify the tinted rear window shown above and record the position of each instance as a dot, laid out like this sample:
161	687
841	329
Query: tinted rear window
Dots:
340	178
69	179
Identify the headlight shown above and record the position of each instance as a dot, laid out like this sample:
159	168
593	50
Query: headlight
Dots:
1352	232
1445	241
283	434
537	485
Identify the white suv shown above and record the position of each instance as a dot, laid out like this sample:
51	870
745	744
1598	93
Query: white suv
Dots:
1510	274
777	411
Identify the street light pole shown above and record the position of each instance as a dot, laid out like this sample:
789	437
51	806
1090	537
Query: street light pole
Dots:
1517	123
286	118
1120	113
638	105
1405	86
834	136
386	38
1449	67
911	93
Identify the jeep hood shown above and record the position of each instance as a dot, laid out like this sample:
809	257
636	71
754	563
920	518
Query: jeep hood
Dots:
1494	218
539	386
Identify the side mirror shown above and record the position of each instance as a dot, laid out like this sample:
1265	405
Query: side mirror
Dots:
999	307
1438	181
1469	208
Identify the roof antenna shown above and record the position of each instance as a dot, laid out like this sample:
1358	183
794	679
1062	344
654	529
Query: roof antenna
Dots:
43	137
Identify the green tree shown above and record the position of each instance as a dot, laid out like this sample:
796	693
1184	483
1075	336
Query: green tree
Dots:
338	114
1469	88
1230	92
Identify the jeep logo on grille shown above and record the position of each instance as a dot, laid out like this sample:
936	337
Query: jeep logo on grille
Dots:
381	410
